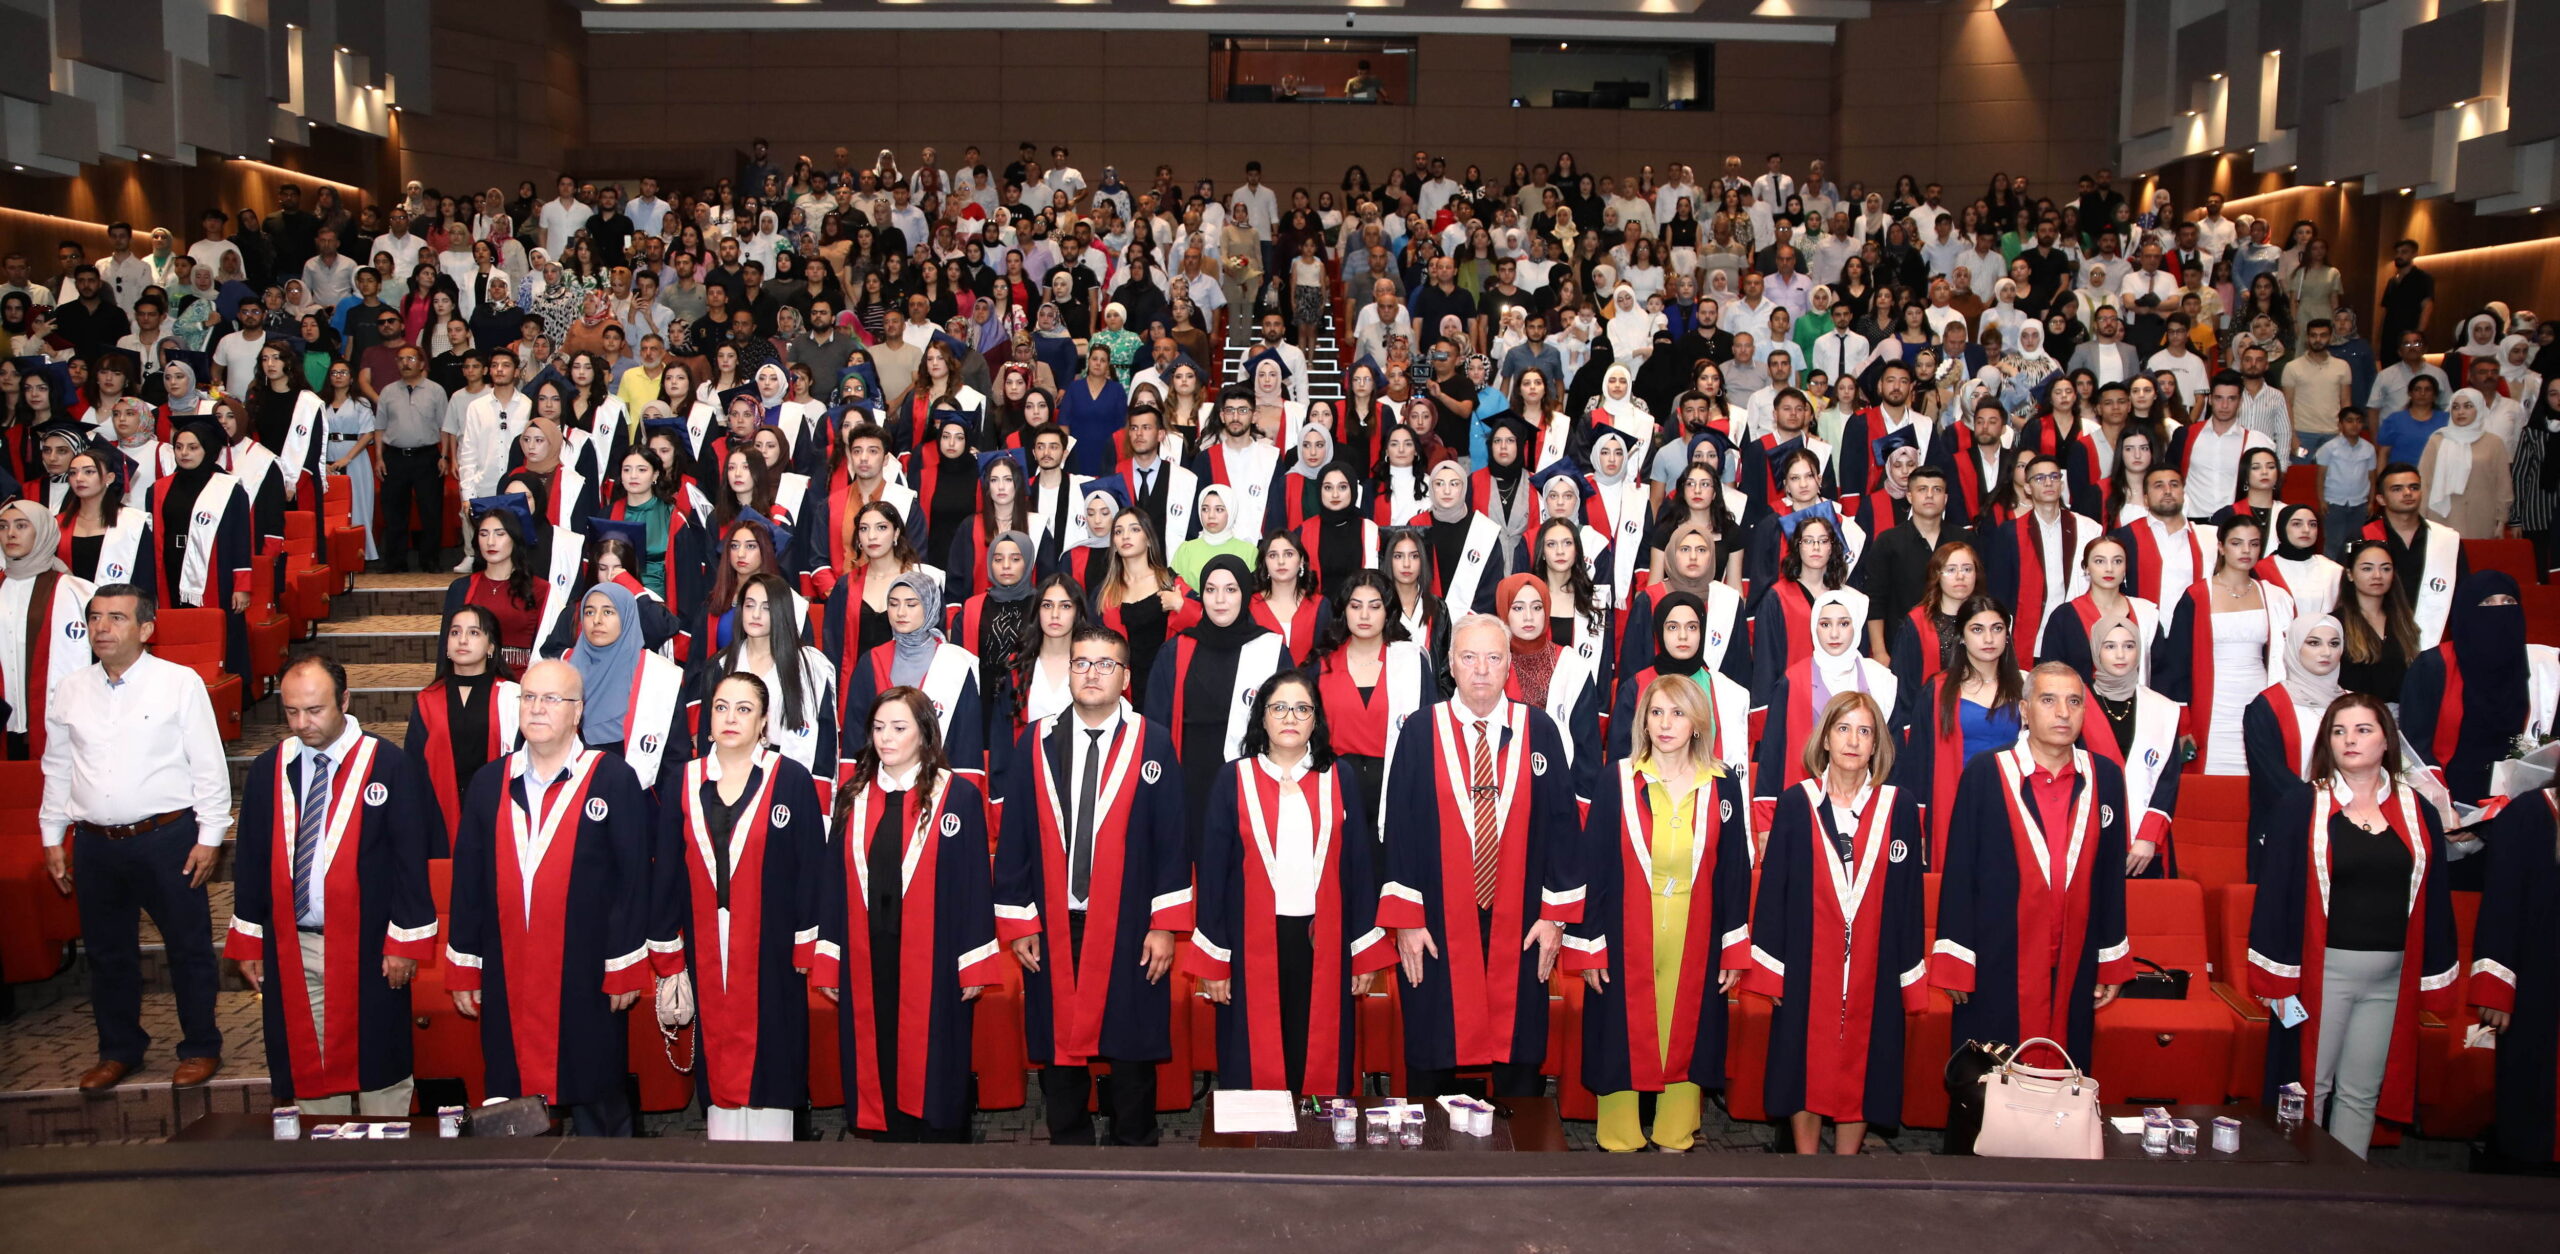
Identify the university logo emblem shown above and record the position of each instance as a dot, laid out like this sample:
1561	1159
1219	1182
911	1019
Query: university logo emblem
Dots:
1537	764
376	794
204	518
2151	757
2438	584
951	825
1249	694
1900	851
782	816
597	809
75	630
2106	816
649	743
1151	772
1726	809
1475	555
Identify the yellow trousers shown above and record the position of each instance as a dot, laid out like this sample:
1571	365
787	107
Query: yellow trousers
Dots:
1675	1110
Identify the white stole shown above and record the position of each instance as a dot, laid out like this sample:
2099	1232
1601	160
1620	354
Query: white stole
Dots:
120	549
213	504
654	694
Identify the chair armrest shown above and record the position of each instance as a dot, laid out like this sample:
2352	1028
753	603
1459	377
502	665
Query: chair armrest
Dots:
2248	1008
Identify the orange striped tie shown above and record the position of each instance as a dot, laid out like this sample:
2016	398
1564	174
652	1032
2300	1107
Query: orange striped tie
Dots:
1488	834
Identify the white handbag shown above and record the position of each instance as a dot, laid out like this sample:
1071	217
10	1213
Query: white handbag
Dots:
2039	1112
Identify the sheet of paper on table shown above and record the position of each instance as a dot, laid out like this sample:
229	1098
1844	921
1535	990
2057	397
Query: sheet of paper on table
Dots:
1253	1110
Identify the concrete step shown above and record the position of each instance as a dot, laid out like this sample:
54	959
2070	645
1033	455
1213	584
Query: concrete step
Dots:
382	693
381	638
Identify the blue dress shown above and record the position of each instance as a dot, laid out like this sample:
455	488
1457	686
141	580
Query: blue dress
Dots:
1092	420
1984	730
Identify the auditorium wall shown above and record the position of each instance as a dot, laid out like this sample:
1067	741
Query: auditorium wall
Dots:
1956	92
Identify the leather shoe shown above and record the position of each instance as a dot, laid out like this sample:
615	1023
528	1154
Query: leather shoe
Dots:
104	1076
194	1071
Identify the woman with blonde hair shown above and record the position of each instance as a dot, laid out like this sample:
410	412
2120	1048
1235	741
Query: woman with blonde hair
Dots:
1672	819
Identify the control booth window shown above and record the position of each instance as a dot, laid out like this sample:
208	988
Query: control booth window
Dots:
1573	74
1318	70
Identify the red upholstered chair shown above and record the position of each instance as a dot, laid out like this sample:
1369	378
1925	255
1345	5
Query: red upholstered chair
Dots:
2230	905
194	639
2301	486
826	1065
448	1045
31	908
2457	1087
308	581
1573	1099
2159	1050
2541	613
1746	1057
998	1054
270	630
2210	830
345	532
1928	1040
2515	557
662	1087
1382	1032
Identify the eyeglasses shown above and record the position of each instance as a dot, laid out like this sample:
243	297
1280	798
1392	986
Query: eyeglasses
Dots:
2050	476
1292	709
545	700
1094	665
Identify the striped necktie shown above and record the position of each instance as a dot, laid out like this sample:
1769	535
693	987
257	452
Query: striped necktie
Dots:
1488	834
306	832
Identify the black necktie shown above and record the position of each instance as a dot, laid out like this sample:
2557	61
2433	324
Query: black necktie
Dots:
1146	484
1080	854
886	858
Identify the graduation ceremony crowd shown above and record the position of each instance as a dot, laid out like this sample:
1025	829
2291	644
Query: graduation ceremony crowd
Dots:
1711	585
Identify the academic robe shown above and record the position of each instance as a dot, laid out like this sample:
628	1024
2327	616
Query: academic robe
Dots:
1621	1027
125	554
845	618
2277	735
1781	635
1731	703
1479	566
1574	699
745	956
218	553
2515	968
1854	471
1480	1001
263	479
1840	945
2004	898
950	682
1757	474
2289	930
2150	765
56	637
2066	634
1931	760
548	956
1970	487
370	874
1311	534
1301	629
1365	727
946	932
1788	719
1723	647
814	745
1096	1002
429	742
685	566
2185	671
1765	558
1235	931
2078	453
2142	572
2443	567
1208	734
2013	563
656	742
2436	716
300	461
1625	517
817	540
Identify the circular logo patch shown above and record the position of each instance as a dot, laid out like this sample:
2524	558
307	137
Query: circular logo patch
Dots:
649	743
1475	555
1726	809
597	809
204	518
2438	584
1246	699
1151	772
75	630
1900	851
939	710
782	816
376	794
2151	757
2106	816
951	825
1537	764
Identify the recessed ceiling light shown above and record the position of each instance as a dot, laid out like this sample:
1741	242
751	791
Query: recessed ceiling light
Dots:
2217	78
2404	191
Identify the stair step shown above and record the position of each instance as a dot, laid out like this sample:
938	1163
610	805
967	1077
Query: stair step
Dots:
373	638
364	602
381	693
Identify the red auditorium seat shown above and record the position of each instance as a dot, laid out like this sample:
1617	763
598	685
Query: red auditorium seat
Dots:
2515	557
2210	830
194	639
2301	486
2541	613
448	1045
2166	1051
1382	1032
2230	954
1928	1040
270	631
345	533
35	918
308	581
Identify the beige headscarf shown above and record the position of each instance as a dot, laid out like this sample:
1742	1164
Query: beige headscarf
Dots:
46	555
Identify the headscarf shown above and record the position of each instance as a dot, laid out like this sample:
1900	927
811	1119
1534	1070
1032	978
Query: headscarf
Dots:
771	395
1630	327
1901	453
1663	662
2488	644
46	554
607	669
2453	456
184	484
2520	378
913	654
183	402
1228	499
2115	687
2471	345
1505	593
2314	690
1103	540
1671	575
1454	514
1840	672
1020	588
2285	549
1048	325
1305	469
1234	635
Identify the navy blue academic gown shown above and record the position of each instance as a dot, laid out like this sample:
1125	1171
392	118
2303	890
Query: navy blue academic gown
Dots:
2516	968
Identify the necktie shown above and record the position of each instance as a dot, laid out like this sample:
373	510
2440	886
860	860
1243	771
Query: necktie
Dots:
1488	836
1146	484
1080	855
306	831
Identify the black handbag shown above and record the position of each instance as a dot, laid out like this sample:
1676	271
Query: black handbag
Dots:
2157	983
1964	1072
516	1116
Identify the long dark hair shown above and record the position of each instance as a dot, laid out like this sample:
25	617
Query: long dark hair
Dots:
1835	572
1257	739
899	546
1026	653
1337	631
1262	564
725	505
1113	582
664	488
783	639
2365	646
488	627
1678	511
1577	588
725	584
866	765
529	557
2007	690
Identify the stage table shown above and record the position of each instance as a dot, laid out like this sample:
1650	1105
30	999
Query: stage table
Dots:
1523	1124
2262	1139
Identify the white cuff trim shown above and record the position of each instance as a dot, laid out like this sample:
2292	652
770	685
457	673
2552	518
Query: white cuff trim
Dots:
1769	962
1216	953
1919	971
252	930
1953	950
978	955
2117	952
2273	967
626	961
1024	914
1586	945
461	959
2441	979
1569	897
396	932
1172	900
1399	892
675	946
1738	936
2491	968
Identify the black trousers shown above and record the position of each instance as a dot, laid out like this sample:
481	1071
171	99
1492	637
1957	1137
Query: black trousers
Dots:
410	480
1510	1079
1296	950
116	881
1129	1092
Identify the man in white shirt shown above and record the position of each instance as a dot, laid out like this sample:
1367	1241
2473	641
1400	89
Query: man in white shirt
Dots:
2504	415
563	218
330	276
1940	312
133	761
2391	383
1831	252
208	251
1749	313
1924	216
1063	177
1821	195
1984	262
403	247
2167	558
1786	285
125	274
2214	448
2148	279
2214	232
1435	191
150	327
1773	188
2174	356
1945	249
648	210
489	428
235	357
2262	404
1264	204
1683	186
1386	316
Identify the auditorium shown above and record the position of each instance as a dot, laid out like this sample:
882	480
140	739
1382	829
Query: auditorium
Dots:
846	623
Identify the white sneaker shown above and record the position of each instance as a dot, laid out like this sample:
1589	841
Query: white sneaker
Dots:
464	568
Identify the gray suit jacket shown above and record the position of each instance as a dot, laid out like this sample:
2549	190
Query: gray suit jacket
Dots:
2085	357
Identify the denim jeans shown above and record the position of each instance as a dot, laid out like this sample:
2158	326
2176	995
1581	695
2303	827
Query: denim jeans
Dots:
2310	444
2339	525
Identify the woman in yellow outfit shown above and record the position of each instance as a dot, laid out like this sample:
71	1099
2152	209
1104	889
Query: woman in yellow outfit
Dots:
1665	930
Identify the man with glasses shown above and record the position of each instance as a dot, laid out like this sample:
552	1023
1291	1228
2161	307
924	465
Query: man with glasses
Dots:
1480	822
2033	563
552	959
1095	832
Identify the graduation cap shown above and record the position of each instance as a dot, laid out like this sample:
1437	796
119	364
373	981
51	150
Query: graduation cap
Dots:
1518	426
946	417
634	534
781	534
1112	486
746	390
76	430
505	502
672	425
199	362
1602	431
1021	464
1560	468
1881	449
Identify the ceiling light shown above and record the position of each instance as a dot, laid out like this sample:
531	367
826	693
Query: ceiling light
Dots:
2330	183
2217	78
2404	191
1562	47
2535	209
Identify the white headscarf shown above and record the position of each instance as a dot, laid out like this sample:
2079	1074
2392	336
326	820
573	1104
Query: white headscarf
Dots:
2309	691
2453	458
1223	534
2474	342
1839	672
46	553
2522	383
1630	327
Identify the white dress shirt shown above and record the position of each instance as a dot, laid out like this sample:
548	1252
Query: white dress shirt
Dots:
2213	465
1081	745
2177	562
120	751
1293	841
339	751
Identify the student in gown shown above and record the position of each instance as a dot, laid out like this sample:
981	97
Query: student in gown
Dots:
548	956
2143	733
330	901
200	520
1565	682
464	719
1483	873
2466	700
1284	597
1666	931
1967	711
1782	625
2224	645
1465	544
1796	702
103	539
907	937
1689	555
2282	724
508	579
1203	689
1340	536
1095	836
992	625
799	713
634	701
1371	679
2515	975
2382	633
741	868
1837	932
2070	632
1926	641
1410	599
1774	538
1137	596
1286	934
2353	922
44	625
2427	556
2031	922
917	655
2297	561
1678	642
2032	562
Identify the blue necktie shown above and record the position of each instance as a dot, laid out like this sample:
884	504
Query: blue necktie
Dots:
306	835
